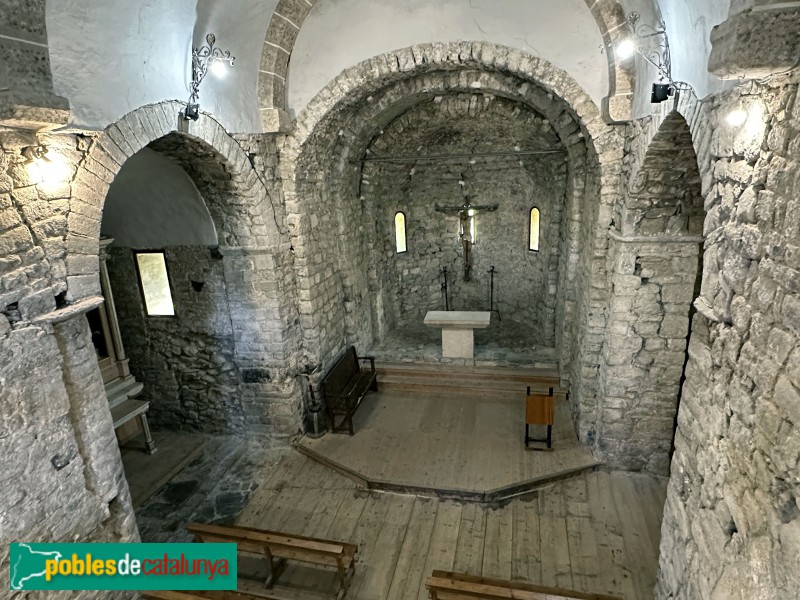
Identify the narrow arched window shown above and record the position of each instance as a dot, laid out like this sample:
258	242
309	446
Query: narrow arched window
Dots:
400	232
533	233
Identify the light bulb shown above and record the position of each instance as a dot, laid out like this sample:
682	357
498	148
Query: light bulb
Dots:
736	118
49	170
625	49
219	68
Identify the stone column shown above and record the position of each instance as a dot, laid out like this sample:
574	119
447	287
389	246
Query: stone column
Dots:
91	421
653	281
271	397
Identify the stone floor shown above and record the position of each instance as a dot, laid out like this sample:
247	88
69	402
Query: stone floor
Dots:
503	343
213	488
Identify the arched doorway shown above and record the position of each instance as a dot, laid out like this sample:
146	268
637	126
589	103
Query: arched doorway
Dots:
325	167
654	257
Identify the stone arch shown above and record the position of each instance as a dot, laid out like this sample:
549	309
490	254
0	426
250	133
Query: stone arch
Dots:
211	145
327	146
654	258
257	265
289	15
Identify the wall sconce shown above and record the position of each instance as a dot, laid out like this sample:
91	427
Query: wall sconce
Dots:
737	117
203	58
34	153
652	44
45	167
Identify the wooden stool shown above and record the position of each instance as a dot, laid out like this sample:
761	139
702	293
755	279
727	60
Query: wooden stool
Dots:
539	411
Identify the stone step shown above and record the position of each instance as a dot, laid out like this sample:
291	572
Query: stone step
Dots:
497	495
528	374
470	391
483	382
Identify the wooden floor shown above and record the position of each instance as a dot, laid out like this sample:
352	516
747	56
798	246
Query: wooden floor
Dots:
450	443
597	532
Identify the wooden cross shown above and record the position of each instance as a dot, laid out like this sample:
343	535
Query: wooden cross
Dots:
466	227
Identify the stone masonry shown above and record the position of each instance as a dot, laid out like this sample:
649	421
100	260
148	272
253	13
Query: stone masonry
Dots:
731	524
186	363
458	126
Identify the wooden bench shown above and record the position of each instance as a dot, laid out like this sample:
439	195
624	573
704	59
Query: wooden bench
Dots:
345	386
282	546
457	586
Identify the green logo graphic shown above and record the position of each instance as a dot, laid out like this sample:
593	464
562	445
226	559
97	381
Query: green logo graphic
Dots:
123	566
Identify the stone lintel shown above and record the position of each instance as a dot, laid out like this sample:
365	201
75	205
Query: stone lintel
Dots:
73	310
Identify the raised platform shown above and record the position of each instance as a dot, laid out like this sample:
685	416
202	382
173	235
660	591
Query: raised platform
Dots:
449	445
504	343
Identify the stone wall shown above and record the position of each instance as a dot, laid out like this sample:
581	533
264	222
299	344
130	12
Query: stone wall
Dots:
63	478
27	99
320	168
186	362
731	524
463	127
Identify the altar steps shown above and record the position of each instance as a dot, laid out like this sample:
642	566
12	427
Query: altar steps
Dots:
478	382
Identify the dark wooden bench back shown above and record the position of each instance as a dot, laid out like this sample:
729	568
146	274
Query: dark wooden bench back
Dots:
342	372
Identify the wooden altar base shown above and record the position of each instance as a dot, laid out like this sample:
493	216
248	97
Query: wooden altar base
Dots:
449	446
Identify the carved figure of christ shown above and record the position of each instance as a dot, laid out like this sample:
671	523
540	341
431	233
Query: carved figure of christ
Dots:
466	228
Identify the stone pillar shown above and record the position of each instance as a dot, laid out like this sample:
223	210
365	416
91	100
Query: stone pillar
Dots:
653	282
271	397
27	99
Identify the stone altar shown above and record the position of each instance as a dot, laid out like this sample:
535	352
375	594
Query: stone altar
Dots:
458	339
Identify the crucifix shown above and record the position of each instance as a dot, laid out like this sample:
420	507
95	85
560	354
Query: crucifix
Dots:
466	227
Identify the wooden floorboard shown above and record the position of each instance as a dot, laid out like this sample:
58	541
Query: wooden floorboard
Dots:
449	443
409	572
594	533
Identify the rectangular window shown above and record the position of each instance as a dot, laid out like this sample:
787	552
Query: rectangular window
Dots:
400	232
153	278
533	239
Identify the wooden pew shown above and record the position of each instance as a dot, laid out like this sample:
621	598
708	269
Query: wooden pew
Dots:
457	586
282	546
345	386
